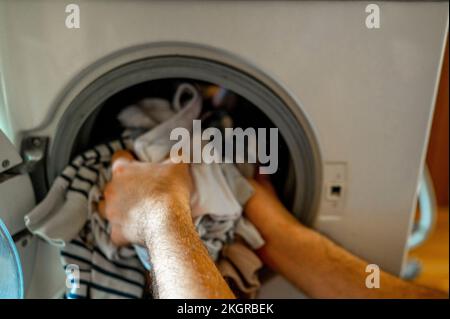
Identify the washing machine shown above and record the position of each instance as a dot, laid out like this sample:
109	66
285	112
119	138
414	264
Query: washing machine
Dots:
353	101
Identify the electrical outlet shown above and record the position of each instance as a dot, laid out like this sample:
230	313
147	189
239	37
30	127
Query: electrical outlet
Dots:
335	188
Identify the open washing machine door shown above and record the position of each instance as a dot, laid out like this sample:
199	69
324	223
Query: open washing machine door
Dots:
11	278
12	186
24	254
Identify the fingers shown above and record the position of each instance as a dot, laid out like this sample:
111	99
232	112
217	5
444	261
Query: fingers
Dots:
117	236
122	154
150	181
108	191
108	206
119	161
101	208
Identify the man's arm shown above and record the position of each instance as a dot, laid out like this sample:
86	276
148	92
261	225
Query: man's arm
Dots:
149	204
182	267
313	263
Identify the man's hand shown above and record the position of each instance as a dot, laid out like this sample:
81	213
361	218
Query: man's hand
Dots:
149	204
141	196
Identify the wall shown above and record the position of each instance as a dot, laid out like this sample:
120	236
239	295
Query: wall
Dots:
438	149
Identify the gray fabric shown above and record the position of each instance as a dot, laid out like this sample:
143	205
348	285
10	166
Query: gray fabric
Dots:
146	114
155	145
64	211
214	233
248	232
238	184
240	266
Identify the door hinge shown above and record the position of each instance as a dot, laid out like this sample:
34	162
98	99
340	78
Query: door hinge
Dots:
33	153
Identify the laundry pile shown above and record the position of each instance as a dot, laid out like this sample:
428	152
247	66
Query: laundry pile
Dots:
68	217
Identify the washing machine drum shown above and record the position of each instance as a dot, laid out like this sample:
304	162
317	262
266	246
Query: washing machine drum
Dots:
90	118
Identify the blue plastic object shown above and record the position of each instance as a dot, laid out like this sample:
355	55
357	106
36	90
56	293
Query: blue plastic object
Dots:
11	278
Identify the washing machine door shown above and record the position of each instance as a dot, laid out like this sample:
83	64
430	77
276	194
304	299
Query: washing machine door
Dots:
11	278
16	200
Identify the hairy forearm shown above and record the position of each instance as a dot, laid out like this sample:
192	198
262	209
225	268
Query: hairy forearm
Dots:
323	269
181	264
316	265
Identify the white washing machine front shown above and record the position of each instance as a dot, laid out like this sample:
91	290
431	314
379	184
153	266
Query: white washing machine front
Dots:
364	97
